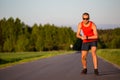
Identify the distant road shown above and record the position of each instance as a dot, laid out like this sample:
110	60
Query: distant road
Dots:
63	67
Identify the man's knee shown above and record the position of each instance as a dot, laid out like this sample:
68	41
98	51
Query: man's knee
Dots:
83	57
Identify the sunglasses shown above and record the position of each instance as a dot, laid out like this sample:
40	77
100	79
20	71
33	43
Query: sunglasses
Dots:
85	18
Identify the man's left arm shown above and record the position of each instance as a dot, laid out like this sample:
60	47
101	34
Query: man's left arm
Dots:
94	31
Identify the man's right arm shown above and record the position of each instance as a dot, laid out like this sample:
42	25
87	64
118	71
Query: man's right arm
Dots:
78	33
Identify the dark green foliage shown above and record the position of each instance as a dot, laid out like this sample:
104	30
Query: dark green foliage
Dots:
109	38
15	36
2	61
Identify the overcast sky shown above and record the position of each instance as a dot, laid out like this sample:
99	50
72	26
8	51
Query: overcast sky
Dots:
61	12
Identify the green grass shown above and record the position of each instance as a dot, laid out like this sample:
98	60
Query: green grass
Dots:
111	55
9	59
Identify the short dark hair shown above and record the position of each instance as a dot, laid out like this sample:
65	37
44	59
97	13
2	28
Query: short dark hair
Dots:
86	14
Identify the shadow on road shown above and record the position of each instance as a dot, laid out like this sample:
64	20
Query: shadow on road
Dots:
109	73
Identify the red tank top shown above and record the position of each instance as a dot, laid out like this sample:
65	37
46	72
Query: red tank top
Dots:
88	31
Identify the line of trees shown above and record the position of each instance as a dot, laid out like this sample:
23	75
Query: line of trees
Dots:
17	36
109	38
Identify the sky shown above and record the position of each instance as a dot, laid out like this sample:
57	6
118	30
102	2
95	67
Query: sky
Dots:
61	12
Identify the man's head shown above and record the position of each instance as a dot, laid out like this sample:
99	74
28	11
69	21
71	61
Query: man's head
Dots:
85	17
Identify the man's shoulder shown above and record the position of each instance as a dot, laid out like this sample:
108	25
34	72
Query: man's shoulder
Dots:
92	22
79	23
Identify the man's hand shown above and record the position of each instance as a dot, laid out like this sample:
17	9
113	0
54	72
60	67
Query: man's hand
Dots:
84	37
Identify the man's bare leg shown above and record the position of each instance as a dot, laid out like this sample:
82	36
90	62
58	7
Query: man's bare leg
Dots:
84	61
95	60
83	57
94	56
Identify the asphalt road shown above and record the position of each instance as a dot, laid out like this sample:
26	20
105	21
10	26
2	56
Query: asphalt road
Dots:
63	67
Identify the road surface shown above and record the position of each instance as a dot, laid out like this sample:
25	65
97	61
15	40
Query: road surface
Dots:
62	67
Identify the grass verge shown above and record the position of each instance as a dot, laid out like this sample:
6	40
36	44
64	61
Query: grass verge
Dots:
111	55
10	59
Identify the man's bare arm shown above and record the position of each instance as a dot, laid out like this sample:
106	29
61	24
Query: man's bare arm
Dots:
78	32
94	31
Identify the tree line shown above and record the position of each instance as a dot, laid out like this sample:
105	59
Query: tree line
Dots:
109	38
16	36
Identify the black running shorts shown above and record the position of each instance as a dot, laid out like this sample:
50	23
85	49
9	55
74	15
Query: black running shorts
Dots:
87	46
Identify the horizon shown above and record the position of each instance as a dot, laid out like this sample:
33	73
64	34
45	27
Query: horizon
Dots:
74	27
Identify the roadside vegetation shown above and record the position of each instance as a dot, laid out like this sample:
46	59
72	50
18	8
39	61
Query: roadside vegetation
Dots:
9	59
110	55
109	38
16	36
